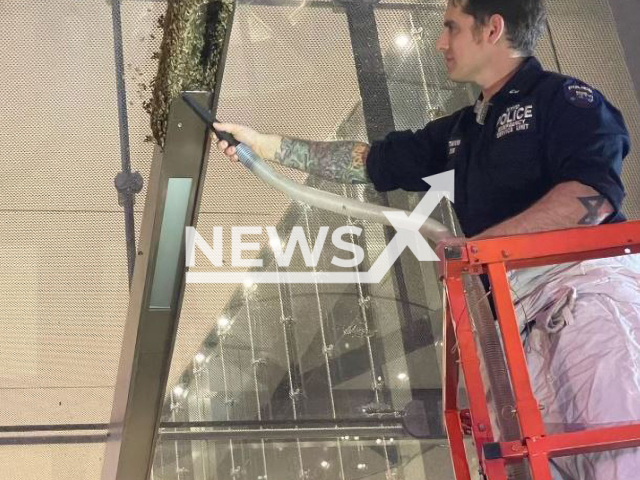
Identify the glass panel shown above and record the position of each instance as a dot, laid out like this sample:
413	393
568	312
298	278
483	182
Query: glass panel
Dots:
322	459
258	360
171	234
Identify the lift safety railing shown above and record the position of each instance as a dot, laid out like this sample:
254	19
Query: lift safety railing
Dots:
495	257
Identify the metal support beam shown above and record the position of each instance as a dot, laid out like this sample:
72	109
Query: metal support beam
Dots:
175	187
418	6
127	183
367	55
53	439
379	121
288	433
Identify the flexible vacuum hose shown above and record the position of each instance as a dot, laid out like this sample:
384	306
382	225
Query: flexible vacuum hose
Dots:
311	196
329	201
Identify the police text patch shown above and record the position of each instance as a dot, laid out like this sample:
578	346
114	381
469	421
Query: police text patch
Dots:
453	146
517	118
581	95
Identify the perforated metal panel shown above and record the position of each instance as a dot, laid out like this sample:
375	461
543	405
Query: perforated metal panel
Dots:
588	47
64	462
59	110
63	285
63	304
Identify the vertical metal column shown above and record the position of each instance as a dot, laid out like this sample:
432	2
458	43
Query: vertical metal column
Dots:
372	81
374	90
256	363
175	188
377	109
376	384
127	183
326	350
296	391
376	100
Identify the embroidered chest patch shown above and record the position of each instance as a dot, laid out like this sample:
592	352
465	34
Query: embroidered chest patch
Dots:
517	118
453	146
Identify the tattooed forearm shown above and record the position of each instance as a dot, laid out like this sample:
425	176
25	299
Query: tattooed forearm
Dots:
342	162
597	210
563	207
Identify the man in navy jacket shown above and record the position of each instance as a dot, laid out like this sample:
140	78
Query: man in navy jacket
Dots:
538	151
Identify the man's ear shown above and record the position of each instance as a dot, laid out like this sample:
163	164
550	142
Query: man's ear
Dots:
495	28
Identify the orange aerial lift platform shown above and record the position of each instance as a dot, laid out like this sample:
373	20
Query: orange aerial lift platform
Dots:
495	257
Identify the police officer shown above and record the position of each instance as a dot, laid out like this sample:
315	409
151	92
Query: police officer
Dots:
538	151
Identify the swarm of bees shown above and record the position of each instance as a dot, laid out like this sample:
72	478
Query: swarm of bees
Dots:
194	33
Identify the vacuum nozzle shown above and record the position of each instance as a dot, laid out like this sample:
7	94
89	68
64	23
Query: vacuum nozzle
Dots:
207	118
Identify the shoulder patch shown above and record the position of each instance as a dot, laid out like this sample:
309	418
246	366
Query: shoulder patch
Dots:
580	94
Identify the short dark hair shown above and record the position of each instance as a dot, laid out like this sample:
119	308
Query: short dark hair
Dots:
524	19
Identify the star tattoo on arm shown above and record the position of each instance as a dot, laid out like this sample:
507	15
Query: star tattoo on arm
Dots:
595	211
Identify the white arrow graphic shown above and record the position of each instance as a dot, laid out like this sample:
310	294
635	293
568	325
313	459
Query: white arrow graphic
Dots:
408	228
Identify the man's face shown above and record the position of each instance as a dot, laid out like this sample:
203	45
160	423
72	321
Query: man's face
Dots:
462	45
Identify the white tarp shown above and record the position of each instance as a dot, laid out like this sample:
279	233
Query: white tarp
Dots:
581	325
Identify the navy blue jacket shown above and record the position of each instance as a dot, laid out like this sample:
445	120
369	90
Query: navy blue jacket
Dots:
541	129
